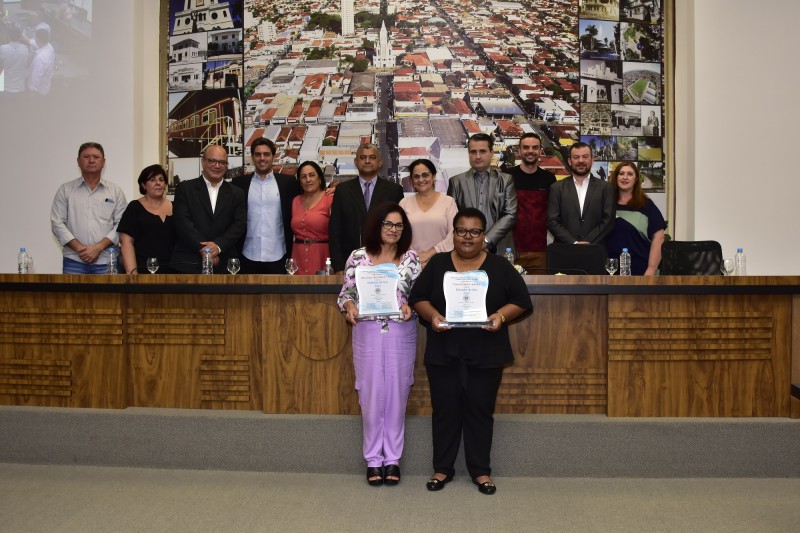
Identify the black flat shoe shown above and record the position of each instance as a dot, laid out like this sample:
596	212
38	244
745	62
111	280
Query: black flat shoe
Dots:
375	472
391	470
435	484
487	487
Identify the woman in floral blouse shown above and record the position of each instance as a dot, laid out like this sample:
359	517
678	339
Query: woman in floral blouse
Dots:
383	350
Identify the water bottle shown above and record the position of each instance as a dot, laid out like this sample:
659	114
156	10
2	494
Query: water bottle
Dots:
208	263
22	261
112	261
740	263
509	255
328	270
624	263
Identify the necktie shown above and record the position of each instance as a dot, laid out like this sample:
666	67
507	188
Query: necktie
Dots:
367	191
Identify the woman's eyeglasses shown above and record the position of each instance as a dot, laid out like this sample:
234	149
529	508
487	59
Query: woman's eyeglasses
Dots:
392	225
462	232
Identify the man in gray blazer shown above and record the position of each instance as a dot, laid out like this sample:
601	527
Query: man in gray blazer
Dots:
581	209
489	191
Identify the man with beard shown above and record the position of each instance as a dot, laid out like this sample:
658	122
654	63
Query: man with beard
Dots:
581	208
533	185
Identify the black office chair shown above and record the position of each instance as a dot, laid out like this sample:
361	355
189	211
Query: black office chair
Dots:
691	258
576	259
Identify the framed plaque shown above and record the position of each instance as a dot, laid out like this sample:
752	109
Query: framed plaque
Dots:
377	291
465	297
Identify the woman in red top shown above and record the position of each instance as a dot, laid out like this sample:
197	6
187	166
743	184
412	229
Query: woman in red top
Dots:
311	211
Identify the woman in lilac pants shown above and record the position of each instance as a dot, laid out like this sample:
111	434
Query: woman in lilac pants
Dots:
383	350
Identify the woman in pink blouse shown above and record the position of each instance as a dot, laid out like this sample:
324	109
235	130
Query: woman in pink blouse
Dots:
383	350
430	212
311	211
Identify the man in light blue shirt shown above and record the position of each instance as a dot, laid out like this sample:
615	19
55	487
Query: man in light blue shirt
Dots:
268	241
85	214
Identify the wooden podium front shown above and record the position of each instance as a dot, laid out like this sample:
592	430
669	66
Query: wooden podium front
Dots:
669	346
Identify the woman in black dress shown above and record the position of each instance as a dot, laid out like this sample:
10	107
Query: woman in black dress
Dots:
465	365
147	228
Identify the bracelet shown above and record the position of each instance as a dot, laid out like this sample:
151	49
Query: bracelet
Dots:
502	317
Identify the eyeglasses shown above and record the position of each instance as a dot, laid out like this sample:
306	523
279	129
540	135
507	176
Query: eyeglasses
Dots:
424	175
216	162
392	225
462	232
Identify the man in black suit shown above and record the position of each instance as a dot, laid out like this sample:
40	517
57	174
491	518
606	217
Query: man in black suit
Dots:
581	208
350	205
209	213
268	241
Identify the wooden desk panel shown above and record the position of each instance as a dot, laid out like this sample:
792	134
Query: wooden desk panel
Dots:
308	359
194	351
62	350
699	355
670	346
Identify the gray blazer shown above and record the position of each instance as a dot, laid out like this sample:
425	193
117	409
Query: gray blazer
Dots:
565	220
502	204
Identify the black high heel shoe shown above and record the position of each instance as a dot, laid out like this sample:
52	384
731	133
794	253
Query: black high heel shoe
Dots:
391	470
377	473
435	484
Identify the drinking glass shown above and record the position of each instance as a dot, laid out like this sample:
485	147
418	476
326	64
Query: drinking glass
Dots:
291	266
152	265
611	265
234	265
727	266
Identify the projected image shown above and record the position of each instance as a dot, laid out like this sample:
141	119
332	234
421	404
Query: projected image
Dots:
43	45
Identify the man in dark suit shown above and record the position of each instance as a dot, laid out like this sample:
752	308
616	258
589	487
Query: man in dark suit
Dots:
209	213
268	240
581	208
352	201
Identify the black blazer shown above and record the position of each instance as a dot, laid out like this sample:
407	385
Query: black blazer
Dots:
348	212
288	188
195	223
565	220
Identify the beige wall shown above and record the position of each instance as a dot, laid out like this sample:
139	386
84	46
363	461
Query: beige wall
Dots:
737	117
118	108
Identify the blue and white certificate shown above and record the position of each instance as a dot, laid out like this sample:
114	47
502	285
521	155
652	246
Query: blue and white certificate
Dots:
377	291
465	296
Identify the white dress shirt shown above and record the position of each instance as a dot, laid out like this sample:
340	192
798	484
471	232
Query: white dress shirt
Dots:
265	240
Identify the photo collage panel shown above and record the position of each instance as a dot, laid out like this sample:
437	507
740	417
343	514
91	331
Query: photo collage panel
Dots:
621	78
319	78
205	81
